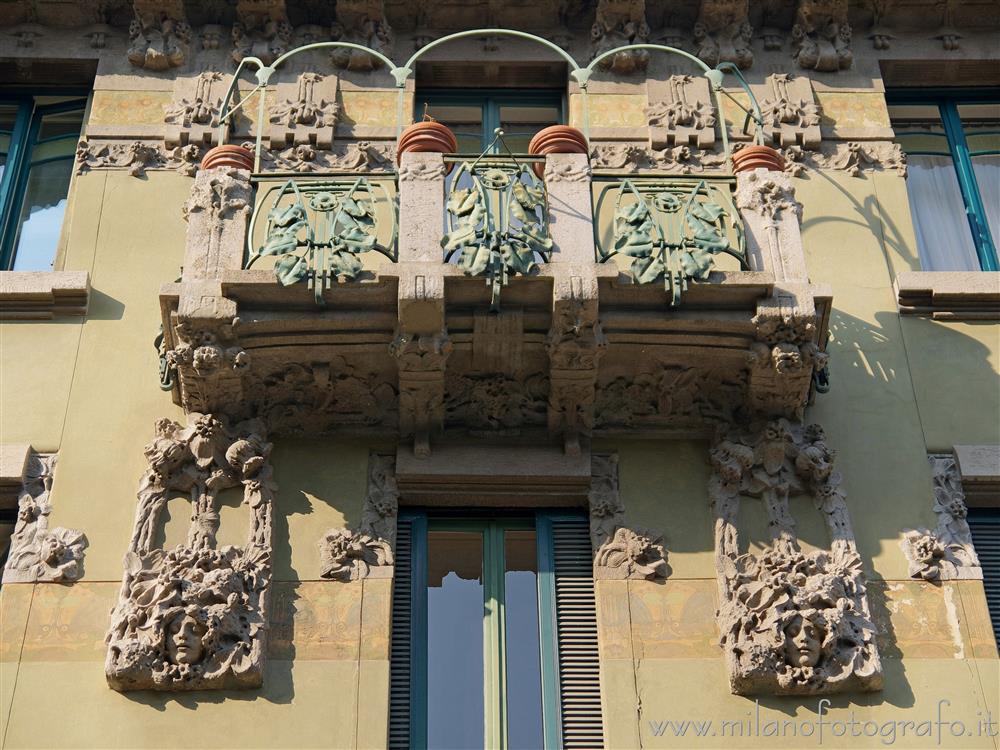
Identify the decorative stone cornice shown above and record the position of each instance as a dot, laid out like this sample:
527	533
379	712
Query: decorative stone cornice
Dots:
38	553
723	32
195	617
43	295
791	623
821	35
361	22
159	36
261	30
137	157
619	23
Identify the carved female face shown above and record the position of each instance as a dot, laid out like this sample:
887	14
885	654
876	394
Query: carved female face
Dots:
803	639
184	644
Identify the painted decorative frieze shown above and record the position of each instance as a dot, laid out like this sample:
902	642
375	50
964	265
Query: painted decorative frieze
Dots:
421	360
261	30
159	36
37	552
723	32
680	113
575	345
619	552
821	35
353	554
791	622
791	115
619	23
195	617
361	22
946	552
306	112
193	115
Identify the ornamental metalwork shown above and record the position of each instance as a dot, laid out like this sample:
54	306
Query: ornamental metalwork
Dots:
673	229
317	231
497	221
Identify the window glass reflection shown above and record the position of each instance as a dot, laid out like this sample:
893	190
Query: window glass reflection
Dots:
524	682
454	640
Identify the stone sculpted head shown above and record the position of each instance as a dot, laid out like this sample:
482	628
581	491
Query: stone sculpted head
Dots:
804	636
184	636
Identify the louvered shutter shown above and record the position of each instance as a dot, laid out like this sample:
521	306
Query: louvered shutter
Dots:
576	634
985	525
399	653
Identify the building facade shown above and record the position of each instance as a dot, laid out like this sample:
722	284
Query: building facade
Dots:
349	401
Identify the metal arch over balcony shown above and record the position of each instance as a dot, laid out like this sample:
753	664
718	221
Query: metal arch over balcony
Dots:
401	73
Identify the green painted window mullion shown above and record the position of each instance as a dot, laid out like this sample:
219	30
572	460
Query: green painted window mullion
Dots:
495	668
547	641
418	633
17	156
975	210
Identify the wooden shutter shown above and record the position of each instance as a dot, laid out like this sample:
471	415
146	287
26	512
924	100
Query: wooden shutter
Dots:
985	526
399	653
576	630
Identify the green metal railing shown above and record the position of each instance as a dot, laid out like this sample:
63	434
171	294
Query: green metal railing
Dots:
401	73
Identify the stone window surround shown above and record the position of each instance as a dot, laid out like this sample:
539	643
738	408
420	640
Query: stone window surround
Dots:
43	295
949	295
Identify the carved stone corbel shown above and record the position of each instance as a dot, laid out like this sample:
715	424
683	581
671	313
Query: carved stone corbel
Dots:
680	112
947	552
791	623
195	617
361	22
421	359
723	32
821	35
617	24
619	552
575	345
38	553
159	35
354	554
261	30
791	115
305	112
193	115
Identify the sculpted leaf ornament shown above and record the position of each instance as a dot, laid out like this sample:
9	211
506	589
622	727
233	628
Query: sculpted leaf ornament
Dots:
499	225
317	232
672	232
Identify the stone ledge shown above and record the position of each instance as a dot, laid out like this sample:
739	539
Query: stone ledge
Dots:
979	468
43	295
949	295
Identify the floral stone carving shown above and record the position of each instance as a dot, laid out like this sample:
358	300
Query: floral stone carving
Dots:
619	23
195	617
361	22
306	112
633	554
723	32
261	30
159	35
38	553
947	552
791	623
354	554
821	35
791	116
421	361
682	113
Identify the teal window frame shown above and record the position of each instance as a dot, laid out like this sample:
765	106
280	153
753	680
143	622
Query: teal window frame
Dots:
947	101
490	101
494	666
23	140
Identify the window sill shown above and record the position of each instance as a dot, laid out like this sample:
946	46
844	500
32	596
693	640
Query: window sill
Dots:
43	295
949	295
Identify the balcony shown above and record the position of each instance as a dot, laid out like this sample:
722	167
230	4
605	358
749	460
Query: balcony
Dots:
477	298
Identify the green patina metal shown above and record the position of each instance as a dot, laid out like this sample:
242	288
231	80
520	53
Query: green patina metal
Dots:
673	229
317	231
498	220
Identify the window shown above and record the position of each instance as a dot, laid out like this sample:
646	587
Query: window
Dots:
474	115
491	615
952	142
985	526
38	136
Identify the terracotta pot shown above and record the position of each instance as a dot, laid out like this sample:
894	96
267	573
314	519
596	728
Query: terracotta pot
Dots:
556	139
749	158
237	157
426	137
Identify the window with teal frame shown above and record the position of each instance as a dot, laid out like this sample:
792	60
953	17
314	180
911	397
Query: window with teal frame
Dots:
494	633
952	142
474	115
38	137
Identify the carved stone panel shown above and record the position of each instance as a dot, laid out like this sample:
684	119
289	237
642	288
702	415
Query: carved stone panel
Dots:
821	35
723	32
261	30
367	551
791	115
421	360
193	115
680	112
791	623
305	112
195	617
361	22
37	552
159	36
619	23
